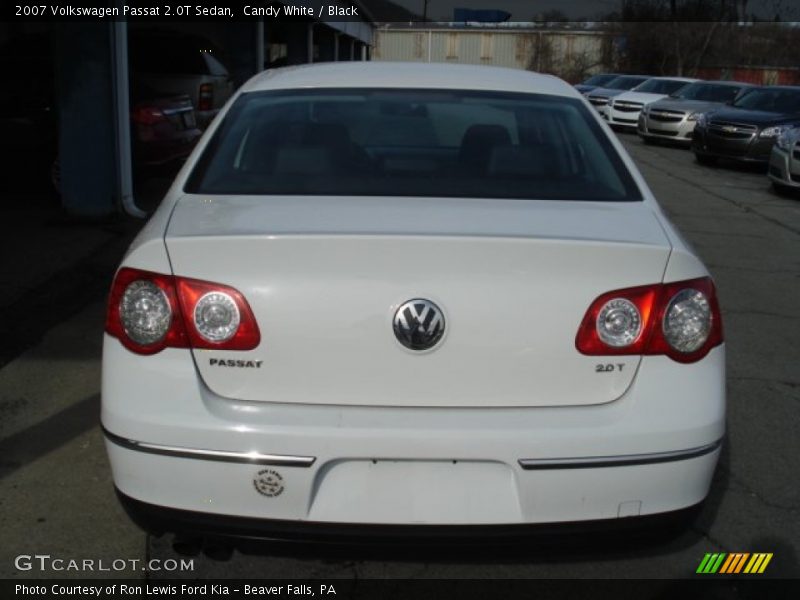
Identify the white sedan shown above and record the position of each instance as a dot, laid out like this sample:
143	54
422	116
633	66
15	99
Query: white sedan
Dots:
404	294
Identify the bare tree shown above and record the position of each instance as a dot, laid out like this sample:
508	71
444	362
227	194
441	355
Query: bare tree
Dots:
671	36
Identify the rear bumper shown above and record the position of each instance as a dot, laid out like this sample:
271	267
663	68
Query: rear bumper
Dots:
175	444
160	519
326	495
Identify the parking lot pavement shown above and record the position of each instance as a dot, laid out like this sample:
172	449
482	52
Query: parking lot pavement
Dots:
56	494
56	491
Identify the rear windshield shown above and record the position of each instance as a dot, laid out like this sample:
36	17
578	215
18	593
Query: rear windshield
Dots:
388	142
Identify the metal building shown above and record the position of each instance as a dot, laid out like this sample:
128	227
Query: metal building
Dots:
518	46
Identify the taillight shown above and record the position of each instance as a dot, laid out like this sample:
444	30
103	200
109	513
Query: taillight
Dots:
147	115
681	320
205	99
149	311
217	316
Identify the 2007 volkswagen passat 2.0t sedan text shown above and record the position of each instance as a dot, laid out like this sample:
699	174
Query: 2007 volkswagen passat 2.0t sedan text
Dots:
399	294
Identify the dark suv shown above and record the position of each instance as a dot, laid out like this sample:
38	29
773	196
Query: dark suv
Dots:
746	129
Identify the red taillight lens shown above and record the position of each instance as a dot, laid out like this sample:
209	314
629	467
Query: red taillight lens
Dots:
149	311
144	320
681	320
217	316
147	115
205	98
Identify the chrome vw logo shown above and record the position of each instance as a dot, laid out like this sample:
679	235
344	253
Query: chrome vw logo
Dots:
418	324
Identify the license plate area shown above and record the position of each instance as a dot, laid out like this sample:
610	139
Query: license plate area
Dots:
434	492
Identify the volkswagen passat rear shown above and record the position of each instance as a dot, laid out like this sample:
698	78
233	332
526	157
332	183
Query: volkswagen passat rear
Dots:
400	294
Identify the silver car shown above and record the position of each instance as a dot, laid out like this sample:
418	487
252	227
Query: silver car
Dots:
784	162
674	118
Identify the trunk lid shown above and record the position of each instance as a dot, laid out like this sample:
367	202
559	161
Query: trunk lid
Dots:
324	277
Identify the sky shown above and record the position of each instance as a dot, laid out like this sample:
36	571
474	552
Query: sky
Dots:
525	10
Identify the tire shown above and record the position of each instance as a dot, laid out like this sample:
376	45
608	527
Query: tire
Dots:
705	159
648	140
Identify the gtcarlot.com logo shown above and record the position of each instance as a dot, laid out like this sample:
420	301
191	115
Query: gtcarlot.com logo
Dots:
734	563
46	562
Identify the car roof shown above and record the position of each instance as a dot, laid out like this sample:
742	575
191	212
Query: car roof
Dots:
408	75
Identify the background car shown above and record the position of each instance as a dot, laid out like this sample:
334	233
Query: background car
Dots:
746	130
411	295
623	110
164	126
595	81
673	118
182	64
599	97
784	162
163	131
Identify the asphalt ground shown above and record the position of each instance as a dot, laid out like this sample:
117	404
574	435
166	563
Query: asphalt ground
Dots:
56	494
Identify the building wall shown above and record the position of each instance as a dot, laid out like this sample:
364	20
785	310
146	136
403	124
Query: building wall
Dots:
558	52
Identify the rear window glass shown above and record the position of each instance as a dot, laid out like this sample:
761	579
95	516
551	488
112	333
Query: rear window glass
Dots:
387	142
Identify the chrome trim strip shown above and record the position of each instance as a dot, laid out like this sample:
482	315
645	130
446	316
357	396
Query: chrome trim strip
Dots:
596	462
252	458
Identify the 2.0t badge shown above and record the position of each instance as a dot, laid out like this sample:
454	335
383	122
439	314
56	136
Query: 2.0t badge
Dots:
418	324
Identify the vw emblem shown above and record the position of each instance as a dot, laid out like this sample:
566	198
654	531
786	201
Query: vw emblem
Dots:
418	324
729	129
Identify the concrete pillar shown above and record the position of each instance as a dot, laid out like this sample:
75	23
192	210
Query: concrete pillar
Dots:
85	101
296	43
310	43
260	45
238	37
325	41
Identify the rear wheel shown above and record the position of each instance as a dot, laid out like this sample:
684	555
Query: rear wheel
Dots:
705	159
